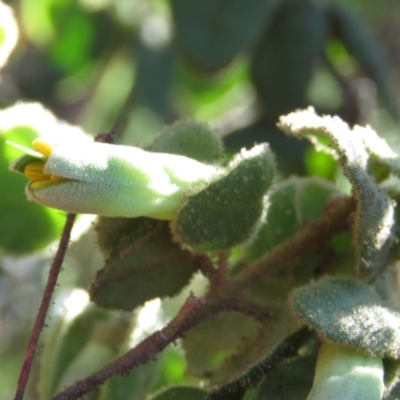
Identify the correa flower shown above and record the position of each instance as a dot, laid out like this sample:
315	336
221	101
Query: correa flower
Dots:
109	180
346	373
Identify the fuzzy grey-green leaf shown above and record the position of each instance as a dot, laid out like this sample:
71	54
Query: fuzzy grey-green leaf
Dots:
291	380
293	202
142	264
223	347
349	312
374	219
229	210
379	149
136	385
191	139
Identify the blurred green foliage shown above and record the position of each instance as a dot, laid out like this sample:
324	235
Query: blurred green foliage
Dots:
138	65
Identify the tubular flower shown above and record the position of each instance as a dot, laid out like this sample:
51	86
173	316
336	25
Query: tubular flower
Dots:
346	373
109	180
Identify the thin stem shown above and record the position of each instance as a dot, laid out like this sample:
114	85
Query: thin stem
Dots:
44	306
215	276
335	219
223	262
226	295
192	312
288	348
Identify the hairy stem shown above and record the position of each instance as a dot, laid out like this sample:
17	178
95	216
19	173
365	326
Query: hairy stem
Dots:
44	306
335	219
288	348
226	294
192	312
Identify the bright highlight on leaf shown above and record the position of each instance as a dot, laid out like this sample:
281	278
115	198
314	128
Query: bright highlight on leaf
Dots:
349	312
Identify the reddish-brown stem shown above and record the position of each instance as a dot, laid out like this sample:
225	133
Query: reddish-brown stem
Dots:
223	262
44	306
215	276
335	219
226	295
108	137
192	312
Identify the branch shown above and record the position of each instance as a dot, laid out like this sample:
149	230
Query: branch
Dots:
288	348
44	306
217	277
227	295
192	312
334	219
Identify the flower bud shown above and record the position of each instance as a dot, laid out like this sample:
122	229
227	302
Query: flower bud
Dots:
346	373
109	180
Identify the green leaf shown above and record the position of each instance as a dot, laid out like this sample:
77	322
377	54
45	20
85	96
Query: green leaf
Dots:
320	164
283	60
111	231
135	386
154	78
353	32
392	187
65	341
217	347
180	393
142	263
281	220
172	370
374	219
379	149
212	32
92	358
292	380
229	210
191	139
282	350
293	203
349	312
75	338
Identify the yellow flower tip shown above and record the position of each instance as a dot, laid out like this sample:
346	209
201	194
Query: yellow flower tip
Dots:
57	179
34	166
34	171
40	184
42	147
36	176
